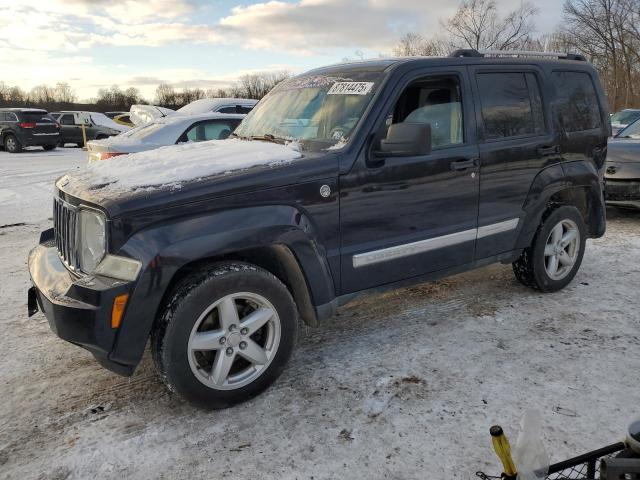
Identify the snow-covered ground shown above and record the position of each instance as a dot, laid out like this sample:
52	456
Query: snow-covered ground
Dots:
402	385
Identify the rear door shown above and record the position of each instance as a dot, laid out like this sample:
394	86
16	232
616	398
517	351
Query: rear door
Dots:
215	129
516	143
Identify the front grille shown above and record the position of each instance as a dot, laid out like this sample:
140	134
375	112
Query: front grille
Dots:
622	190
64	225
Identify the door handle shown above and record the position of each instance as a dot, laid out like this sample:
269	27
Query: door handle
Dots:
459	165
546	151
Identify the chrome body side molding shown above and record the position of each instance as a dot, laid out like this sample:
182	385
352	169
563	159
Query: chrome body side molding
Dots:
422	246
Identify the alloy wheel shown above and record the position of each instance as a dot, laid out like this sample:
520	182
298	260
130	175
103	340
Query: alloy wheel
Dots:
562	249
234	341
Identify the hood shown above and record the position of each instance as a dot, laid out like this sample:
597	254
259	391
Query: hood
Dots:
188	172
623	150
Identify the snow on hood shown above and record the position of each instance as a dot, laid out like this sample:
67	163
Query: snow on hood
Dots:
176	164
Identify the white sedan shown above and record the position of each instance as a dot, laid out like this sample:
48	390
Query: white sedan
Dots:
165	131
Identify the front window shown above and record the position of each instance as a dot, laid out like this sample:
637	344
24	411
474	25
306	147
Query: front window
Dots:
632	131
625	117
319	111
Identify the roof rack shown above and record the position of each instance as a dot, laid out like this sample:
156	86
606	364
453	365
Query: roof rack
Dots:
470	52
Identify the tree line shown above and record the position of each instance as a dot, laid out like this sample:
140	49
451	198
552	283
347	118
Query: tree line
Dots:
62	96
606	32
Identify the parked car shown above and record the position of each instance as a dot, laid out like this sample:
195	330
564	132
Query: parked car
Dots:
124	119
622	174
623	118
220	105
27	127
165	131
141	114
98	126
345	180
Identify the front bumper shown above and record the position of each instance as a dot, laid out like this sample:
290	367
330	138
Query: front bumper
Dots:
78	308
623	193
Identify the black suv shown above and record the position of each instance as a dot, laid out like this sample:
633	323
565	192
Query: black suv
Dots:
27	127
409	170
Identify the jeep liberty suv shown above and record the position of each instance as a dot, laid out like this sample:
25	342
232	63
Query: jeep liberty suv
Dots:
347	179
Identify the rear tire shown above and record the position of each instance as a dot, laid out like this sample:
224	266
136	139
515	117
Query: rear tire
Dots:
48	148
12	144
225	334
555	255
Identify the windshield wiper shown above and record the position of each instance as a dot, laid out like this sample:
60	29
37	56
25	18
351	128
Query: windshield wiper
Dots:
267	137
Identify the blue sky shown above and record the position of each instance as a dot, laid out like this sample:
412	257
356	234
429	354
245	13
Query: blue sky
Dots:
207	43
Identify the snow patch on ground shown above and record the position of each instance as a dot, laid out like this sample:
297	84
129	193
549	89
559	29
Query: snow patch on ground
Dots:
175	164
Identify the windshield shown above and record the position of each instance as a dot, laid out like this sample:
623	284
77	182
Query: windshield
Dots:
625	117
319	111
632	131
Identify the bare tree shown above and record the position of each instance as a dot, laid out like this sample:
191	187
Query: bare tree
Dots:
166	96
478	24
41	94
415	45
607	32
63	93
257	85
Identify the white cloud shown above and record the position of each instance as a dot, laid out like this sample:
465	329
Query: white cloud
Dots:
310	26
55	40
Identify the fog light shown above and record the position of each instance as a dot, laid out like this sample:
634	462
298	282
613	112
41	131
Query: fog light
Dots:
119	303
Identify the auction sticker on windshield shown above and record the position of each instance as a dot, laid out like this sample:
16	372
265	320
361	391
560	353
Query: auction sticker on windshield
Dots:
350	88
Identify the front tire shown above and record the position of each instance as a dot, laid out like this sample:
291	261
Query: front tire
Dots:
555	255
12	144
225	335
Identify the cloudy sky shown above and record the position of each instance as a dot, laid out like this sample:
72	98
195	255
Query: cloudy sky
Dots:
207	43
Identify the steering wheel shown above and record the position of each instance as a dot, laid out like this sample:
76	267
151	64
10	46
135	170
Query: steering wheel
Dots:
338	132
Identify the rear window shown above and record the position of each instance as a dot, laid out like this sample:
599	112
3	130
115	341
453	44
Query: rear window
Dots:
577	101
236	109
143	131
36	117
511	104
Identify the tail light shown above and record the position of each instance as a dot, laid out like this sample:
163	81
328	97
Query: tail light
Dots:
106	155
27	124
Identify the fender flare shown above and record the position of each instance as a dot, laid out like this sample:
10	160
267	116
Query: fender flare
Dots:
566	178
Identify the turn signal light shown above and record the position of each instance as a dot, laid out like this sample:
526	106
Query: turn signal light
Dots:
119	304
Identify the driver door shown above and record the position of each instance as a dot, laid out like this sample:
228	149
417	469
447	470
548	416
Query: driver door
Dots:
406	216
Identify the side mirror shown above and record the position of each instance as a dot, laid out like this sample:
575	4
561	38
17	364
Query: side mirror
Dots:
406	140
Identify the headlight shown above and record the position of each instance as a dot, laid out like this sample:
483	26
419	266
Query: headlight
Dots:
92	238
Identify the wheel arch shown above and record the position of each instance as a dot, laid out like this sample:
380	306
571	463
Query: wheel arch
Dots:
277	259
573	183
